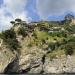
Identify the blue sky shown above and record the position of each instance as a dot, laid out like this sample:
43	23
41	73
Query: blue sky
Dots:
34	10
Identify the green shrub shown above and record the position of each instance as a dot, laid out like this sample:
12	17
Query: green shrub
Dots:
13	44
68	50
52	46
22	31
43	41
8	34
9	38
34	35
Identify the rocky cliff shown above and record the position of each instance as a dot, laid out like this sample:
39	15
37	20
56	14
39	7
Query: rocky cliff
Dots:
43	47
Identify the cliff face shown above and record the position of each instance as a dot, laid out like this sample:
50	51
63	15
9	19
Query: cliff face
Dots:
41	47
6	57
61	64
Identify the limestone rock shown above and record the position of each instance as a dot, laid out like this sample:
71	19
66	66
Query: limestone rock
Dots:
6	57
60	65
31	60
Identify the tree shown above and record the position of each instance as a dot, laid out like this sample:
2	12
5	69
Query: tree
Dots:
12	22
18	20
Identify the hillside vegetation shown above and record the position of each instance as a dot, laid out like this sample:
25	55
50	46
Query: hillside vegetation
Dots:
56	37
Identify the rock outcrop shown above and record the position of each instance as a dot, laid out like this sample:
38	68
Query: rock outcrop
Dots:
6	57
60	65
27	49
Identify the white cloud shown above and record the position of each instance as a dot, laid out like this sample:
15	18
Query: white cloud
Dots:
54	7
17	6
4	20
11	9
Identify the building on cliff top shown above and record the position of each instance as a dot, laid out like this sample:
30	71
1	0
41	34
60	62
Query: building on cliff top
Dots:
71	18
